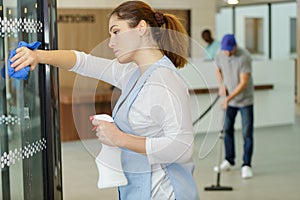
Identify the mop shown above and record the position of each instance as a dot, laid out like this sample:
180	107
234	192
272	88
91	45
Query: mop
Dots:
216	187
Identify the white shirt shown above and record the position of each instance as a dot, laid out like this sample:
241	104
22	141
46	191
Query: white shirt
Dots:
161	113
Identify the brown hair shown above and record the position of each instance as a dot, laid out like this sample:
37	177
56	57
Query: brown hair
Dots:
167	30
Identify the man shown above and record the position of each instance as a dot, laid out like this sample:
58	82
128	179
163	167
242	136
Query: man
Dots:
234	71
212	45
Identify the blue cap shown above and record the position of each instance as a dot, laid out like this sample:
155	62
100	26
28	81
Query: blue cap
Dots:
228	42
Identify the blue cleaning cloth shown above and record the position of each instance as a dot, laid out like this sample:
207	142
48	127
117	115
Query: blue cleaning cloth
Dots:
22	73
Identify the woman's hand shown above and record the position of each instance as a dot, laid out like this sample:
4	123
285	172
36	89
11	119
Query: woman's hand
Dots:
24	57
108	133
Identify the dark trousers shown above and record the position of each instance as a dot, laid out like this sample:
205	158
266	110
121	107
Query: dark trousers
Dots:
247	130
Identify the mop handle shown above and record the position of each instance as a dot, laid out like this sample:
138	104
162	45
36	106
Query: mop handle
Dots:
207	110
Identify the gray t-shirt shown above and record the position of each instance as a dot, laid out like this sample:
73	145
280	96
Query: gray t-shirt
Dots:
231	68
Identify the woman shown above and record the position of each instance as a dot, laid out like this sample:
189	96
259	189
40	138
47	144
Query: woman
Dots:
153	124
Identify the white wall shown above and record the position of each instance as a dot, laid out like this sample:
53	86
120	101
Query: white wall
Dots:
281	14
260	11
202	13
271	107
224	22
280	26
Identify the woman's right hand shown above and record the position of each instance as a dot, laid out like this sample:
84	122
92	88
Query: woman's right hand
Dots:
24	57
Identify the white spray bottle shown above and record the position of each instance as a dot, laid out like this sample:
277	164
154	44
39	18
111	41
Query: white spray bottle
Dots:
109	162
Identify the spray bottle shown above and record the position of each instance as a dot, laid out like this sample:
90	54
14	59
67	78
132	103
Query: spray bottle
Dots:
108	162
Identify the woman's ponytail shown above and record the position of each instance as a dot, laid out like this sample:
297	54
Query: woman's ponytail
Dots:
174	40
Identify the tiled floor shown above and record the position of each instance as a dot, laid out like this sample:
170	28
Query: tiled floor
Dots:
276	167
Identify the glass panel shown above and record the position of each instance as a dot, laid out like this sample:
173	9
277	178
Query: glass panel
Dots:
283	29
22	144
293	33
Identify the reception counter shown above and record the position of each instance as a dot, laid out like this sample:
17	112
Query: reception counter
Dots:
274	98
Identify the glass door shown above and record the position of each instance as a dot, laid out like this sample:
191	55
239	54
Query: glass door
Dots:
29	122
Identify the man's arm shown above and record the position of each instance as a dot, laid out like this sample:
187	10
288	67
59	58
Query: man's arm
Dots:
222	89
244	79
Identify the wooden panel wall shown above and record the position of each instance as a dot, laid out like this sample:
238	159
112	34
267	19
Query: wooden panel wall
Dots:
83	30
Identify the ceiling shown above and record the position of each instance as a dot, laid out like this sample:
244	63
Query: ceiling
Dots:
246	2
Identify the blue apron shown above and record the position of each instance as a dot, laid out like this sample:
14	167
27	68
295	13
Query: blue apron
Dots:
136	166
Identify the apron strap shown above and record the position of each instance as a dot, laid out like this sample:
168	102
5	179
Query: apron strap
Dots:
136	83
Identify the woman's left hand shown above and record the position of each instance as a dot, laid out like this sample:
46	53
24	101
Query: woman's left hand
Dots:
107	132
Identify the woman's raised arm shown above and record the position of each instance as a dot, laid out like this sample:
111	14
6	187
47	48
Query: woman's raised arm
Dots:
65	59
